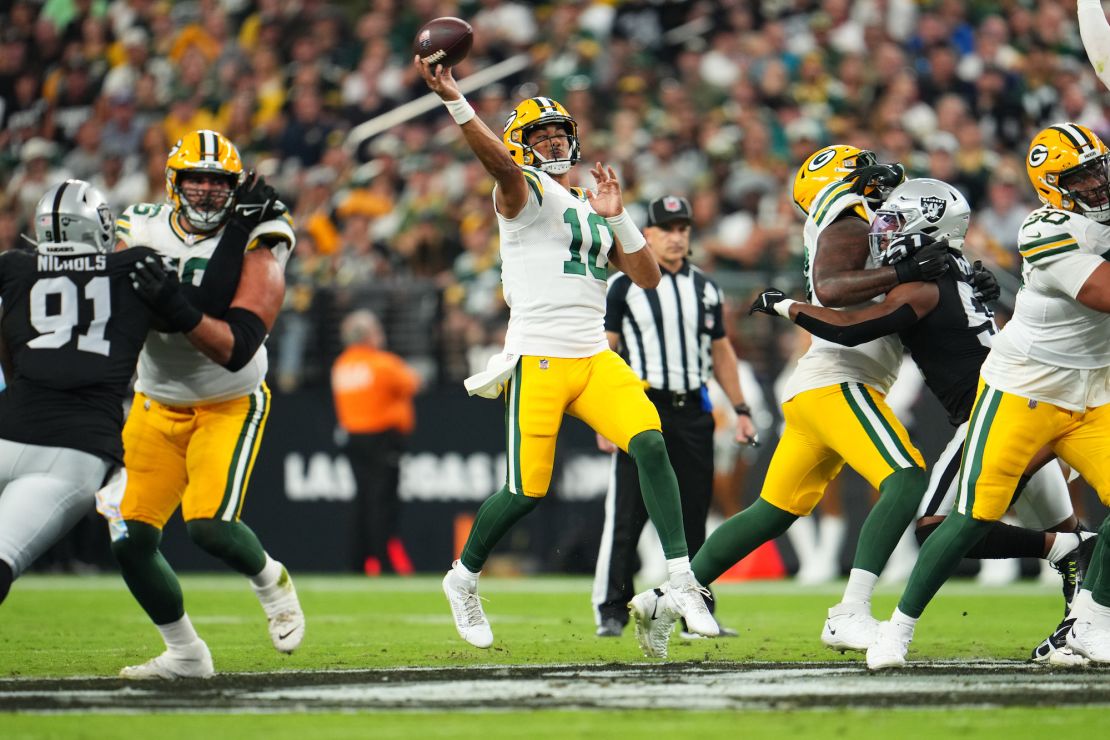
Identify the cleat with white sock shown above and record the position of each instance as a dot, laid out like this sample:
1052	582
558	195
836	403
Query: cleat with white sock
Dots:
850	627
1090	639
285	618
192	661
466	607
890	647
654	620
687	597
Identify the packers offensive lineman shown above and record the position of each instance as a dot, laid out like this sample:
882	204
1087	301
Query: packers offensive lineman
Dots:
73	327
835	410
556	244
200	403
1045	383
947	329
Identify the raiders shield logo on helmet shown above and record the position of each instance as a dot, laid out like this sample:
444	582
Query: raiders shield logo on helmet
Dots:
932	208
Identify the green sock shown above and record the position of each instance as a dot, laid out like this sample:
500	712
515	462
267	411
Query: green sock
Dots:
733	540
1100	587
232	542
495	517
659	487
899	496
150	578
938	559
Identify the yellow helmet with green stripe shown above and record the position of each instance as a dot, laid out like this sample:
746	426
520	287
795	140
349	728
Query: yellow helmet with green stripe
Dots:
826	165
1069	167
539	111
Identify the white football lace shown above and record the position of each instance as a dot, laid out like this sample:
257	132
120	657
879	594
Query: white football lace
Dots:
472	610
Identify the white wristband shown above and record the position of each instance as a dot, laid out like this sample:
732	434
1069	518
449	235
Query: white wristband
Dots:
782	308
630	237
459	109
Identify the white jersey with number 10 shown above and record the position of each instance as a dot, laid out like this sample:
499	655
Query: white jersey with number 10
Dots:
554	259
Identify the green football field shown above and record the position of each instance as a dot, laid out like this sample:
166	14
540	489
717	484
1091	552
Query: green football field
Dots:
63	639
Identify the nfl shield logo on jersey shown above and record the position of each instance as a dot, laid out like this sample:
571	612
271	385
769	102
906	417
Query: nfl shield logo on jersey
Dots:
544	364
932	208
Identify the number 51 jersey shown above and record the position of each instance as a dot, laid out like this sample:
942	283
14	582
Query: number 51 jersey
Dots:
73	328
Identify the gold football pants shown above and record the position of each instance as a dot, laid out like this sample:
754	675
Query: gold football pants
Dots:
600	390
826	428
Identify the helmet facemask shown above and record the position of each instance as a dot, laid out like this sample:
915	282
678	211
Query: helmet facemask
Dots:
1087	185
559	166
205	207
887	225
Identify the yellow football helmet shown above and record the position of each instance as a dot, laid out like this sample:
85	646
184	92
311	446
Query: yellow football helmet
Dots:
203	151
539	111
826	165
1069	167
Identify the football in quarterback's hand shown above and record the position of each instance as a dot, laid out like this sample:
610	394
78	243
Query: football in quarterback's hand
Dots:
443	41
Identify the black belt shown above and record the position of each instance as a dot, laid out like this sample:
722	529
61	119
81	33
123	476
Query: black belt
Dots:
674	399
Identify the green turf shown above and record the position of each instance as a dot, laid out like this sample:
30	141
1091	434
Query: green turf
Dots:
1012	724
55	626
66	626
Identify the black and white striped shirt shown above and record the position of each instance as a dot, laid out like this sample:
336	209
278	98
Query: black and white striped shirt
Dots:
666	332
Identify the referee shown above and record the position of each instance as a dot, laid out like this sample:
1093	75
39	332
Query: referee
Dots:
673	336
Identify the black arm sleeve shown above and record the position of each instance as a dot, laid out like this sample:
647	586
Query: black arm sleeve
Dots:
221	275
249	332
903	318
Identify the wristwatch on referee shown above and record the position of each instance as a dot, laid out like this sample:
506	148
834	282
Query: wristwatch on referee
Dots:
743	409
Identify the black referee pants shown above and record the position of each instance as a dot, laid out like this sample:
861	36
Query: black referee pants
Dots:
688	432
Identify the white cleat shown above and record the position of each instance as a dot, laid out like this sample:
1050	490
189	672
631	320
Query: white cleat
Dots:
686	597
850	627
654	622
1090	640
466	607
283	613
191	662
890	647
1065	657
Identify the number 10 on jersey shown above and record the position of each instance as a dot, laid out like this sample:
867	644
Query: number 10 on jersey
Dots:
593	262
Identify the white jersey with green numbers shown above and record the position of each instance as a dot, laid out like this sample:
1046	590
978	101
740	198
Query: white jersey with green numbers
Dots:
874	363
554	259
171	370
1054	348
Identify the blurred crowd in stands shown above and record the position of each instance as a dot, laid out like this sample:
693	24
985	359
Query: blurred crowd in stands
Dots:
719	100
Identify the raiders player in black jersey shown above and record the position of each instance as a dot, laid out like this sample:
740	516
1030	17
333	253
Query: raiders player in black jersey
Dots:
947	331
74	321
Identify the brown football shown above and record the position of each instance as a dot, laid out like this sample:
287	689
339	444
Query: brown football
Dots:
443	41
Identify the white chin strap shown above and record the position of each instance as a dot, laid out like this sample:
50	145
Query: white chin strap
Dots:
1100	214
552	166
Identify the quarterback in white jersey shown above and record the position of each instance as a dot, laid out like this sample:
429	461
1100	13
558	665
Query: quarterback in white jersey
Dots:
200	404
557	242
1045	384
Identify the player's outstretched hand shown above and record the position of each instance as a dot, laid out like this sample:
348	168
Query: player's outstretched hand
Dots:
606	199
766	301
984	283
438	79
161	290
917	257
256	202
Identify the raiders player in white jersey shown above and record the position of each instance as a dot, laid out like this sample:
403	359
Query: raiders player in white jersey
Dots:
1045	383
200	403
556	244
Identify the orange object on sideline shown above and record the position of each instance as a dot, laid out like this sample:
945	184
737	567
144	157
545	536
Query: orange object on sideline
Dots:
762	564
463	523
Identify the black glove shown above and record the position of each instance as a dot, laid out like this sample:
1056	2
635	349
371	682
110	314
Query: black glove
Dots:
255	202
885	176
766	301
161	290
984	283
925	258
